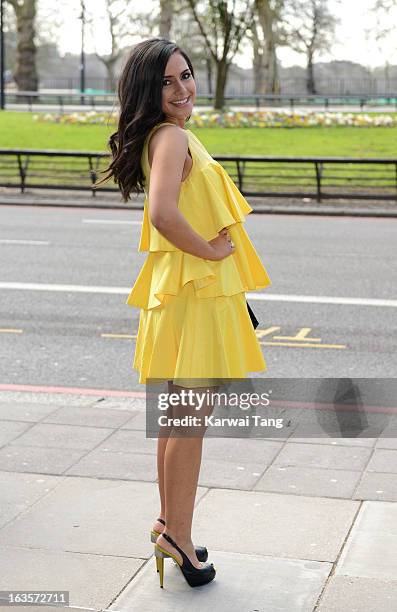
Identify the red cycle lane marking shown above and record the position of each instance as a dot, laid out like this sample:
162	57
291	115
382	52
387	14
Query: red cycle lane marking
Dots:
72	390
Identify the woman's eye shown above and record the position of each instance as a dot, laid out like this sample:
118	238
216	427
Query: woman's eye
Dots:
185	74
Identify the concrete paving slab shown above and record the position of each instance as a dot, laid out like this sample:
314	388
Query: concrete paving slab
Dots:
87	415
388	439
383	461
54	609
241	450
388	443
371	549
317	482
358	595
11	430
104	517
377	486
93	580
323	456
37	459
25	411
290	526
129	404
136	422
370	442
339	425
242	583
229	475
72	437
19	491
56	399
129	441
118	464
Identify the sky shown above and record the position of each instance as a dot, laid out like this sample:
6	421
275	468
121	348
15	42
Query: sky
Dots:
354	40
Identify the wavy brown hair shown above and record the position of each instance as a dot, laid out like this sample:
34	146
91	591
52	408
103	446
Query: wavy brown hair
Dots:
140	97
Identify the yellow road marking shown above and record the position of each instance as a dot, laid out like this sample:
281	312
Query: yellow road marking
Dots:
266	332
117	336
305	344
10	330
301	335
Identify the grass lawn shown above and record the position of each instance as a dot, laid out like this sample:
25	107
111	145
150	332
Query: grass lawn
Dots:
18	130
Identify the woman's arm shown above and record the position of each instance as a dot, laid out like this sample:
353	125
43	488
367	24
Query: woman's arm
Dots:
170	146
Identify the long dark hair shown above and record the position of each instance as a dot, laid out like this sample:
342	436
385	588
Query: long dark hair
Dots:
140	96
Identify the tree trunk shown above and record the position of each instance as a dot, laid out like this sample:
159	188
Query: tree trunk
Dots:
166	10
221	77
25	74
257	62
269	60
311	87
209	74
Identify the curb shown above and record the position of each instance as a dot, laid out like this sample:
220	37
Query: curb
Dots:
279	208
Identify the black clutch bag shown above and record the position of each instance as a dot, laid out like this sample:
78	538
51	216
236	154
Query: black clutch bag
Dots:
254	320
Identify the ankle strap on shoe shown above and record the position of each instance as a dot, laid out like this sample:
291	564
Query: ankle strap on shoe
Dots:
160	520
171	541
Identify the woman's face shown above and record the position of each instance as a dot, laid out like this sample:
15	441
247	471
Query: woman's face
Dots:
178	85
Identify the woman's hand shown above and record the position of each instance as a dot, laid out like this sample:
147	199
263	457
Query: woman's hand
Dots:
222	245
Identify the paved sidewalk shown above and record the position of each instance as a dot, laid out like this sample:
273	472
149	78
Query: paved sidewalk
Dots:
291	523
112	200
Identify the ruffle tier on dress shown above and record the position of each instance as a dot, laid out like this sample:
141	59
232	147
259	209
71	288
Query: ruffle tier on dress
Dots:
205	330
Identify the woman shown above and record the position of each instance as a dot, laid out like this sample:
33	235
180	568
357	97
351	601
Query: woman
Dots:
194	328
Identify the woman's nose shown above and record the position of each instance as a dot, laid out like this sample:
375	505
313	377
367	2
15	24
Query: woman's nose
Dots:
181	89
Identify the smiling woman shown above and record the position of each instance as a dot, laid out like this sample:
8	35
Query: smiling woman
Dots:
194	329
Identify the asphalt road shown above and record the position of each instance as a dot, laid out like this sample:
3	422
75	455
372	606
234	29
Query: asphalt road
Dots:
331	310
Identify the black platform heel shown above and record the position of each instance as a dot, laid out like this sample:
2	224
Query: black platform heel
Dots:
201	551
194	576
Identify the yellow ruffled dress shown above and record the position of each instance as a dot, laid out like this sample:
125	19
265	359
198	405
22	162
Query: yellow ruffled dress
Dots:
194	323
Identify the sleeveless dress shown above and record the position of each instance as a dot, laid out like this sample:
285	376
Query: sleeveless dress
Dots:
194	322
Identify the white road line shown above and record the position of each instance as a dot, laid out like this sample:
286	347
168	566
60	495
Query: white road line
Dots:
320	299
9	241
314	299
120	222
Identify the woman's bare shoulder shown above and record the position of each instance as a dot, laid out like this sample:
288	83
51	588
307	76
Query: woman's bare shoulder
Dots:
168	137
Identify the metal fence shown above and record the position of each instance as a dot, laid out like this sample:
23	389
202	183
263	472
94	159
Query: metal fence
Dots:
59	100
318	178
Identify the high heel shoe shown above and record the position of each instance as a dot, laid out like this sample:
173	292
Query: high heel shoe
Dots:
194	576
201	551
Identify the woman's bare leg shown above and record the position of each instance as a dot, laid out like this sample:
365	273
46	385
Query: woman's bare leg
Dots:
182	461
161	446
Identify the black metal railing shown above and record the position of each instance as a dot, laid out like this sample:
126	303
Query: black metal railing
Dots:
93	100
318	178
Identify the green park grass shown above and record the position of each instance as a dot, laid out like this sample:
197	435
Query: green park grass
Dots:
19	130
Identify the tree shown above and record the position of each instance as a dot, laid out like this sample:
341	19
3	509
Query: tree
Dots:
265	37
310	28
222	27
122	24
188	35
25	73
165	18
385	12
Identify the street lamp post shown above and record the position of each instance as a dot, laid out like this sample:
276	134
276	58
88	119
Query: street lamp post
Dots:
82	58
2	57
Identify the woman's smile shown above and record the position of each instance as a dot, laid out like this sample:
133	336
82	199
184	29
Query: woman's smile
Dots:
182	102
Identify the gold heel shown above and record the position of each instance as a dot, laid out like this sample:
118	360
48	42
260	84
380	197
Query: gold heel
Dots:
160	565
